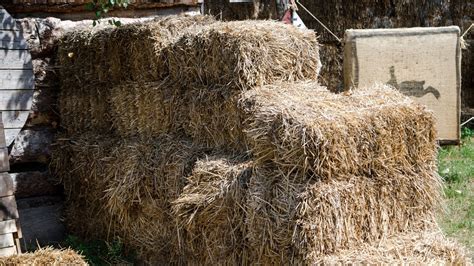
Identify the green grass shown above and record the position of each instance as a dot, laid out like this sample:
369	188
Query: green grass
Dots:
456	166
98	252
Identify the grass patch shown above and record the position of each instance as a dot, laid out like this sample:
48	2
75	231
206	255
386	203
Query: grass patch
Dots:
97	252
456	166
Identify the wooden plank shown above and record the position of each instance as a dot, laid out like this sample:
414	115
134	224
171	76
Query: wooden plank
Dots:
13	100
17	79
19	233
7	240
4	164
11	39
7	22
8	226
7	251
7	186
8	208
17	243
14	119
15	59
11	134
2	136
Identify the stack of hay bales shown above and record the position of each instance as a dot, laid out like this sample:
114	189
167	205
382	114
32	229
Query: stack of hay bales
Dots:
235	154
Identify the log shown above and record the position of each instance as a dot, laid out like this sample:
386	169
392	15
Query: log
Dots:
34	184
32	145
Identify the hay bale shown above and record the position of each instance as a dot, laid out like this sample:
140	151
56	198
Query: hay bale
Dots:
94	61
242	54
85	111
113	55
291	221
135	180
45	256
214	118
211	210
80	164
425	248
302	127
312	131
147	109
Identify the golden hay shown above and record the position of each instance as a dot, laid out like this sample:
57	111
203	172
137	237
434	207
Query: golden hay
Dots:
147	109
211	210
93	62
243	54
82	112
301	127
290	220
113	55
307	130
126	187
45	256
425	248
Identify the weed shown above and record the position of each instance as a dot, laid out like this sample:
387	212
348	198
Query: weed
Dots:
99	252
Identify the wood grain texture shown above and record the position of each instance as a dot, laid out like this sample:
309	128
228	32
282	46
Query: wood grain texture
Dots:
2	136
15	59
17	79
7	186
17	100
8	226
7	22
11	39
11	134
4	164
6	240
14	119
7	251
8	209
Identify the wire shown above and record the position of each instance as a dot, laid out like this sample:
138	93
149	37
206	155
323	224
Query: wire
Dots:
322	24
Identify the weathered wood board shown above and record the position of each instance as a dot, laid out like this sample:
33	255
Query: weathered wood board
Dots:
14	119
15	59
8	251
11	39
11	134
8	209
6	21
4	164
17	100
8	226
6	240
422	63
16	77
7	187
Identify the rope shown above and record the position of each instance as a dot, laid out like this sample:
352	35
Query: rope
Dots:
461	39
469	120
322	24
